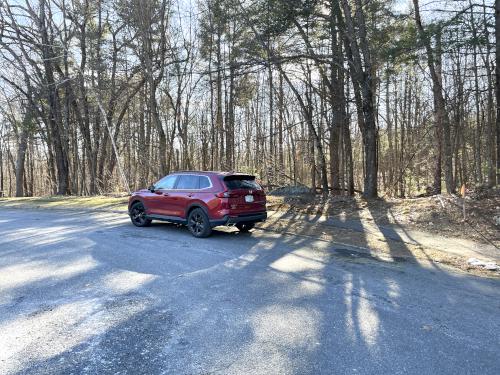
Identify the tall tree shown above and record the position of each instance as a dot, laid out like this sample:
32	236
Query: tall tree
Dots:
442	123
497	83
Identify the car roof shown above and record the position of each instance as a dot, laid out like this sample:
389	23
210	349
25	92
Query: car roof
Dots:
212	173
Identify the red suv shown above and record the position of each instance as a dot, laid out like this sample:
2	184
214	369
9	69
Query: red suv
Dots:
201	200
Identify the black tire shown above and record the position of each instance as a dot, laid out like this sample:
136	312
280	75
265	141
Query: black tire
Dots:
245	227
138	215
199	224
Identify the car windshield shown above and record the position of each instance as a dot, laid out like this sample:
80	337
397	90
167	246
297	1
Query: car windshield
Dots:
241	182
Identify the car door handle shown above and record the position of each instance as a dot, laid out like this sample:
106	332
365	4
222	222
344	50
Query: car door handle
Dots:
166	194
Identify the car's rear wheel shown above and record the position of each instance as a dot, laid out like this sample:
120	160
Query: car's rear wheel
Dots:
199	224
245	227
138	215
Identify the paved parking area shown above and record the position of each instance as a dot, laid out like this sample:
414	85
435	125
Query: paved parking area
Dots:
88	293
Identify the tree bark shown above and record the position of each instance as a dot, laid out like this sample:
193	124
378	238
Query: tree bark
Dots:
361	69
497	84
21	154
55	118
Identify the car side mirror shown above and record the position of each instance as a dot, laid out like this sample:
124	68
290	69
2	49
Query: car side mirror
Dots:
151	188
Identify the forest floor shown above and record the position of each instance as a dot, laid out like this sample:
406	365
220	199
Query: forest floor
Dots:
438	214
429	229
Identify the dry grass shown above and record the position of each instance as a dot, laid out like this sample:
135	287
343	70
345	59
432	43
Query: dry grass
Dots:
64	202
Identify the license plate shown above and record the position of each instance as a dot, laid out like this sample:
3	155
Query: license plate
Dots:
249	198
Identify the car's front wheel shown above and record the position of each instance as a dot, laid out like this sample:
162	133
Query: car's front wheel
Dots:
245	227
138	215
199	224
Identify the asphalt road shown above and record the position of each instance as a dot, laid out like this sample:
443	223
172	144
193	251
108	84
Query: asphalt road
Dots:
87	293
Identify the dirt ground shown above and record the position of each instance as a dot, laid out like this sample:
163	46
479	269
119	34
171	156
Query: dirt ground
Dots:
439	214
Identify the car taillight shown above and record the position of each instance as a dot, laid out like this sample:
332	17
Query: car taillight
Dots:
225	194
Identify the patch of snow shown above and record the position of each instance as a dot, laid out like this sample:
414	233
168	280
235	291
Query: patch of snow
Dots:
491	266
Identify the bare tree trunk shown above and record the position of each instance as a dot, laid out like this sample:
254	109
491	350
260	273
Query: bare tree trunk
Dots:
337	101
477	97
497	83
390	164
490	111
230	115
281	161
440	114
2	192
361	69
56	128
271	167
21	155
219	121
348	148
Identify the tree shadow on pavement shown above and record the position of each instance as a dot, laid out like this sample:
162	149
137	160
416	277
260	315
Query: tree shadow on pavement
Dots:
164	302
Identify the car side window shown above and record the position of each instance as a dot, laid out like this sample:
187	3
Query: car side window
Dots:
166	183
204	182
187	182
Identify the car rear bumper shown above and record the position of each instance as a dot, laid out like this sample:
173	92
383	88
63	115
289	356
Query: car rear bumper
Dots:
228	219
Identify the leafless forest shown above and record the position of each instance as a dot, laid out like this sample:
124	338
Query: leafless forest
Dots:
380	97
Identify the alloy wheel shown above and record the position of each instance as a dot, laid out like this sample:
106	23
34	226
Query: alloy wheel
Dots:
138	214
196	223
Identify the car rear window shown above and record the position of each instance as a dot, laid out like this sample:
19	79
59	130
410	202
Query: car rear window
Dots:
204	182
193	182
241	182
